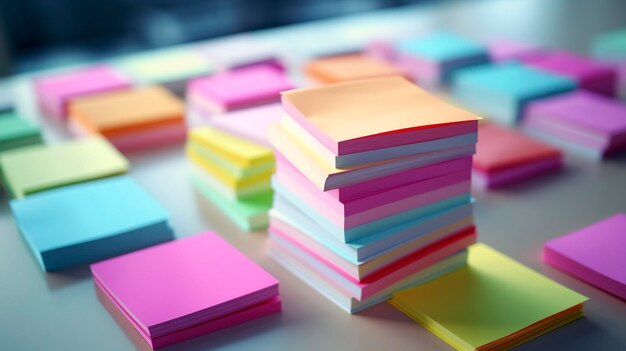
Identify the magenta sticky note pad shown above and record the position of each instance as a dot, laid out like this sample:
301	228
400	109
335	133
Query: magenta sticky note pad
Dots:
239	88
596	254
55	91
169	287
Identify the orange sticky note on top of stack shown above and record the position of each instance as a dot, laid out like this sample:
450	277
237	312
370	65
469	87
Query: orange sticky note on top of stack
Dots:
344	68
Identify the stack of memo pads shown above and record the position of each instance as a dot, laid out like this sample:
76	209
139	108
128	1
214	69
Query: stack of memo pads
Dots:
495	303
131	119
183	289
504	156
55	92
502	91
233	174
590	123
343	68
594	254
38	168
16	132
88	222
372	188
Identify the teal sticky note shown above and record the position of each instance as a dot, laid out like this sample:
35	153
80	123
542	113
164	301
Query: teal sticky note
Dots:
17	132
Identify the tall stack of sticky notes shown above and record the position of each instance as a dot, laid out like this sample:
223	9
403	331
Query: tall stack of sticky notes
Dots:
589	123
505	156
250	123
233	174
588	73
433	59
488	305
372	188
16	132
131	119
89	222
55	92
501	91
38	168
236	89
594	254
334	69
183	289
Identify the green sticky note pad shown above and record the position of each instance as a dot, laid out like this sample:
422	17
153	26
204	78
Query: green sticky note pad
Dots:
493	303
37	168
16	132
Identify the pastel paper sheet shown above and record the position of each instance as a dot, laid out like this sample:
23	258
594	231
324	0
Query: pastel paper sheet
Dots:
594	254
16	132
506	50
37	168
180	279
487	306
251	123
91	221
344	68
182	64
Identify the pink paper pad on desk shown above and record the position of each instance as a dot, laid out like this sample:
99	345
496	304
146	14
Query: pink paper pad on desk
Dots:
55	92
168	288
251	123
505	50
595	254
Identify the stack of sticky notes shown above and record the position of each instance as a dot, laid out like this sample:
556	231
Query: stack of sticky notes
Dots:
434	58
588	73
131	119
172	68
233	174
505	156
16	132
88	222
583	121
501	91
594	254
54	92
611	47
507	50
495	303
250	123
343	68
186	288
372	188
237	89
41	167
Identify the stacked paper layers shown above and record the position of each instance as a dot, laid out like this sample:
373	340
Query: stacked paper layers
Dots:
16	132
488	305
131	119
186	288
504	156
88	222
594	254
584	121
233	174
372	188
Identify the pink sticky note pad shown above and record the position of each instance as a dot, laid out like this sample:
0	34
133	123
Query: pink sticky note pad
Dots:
54	92
171	287
251	123
506	49
594	254
239	88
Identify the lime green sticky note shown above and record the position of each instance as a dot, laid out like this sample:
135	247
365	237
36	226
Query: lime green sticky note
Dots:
493	303
17	132
37	168
166	66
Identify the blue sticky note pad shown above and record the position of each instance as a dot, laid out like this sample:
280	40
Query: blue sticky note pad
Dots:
501	91
89	222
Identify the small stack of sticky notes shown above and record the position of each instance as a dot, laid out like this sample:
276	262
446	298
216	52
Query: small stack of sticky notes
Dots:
183	289
588	73
505	156
16	132
172	68
233	174
433	59
42	167
594	254
343	68
611	47
590	123
54	92
88	222
237	89
507	50
495	303
501	91
372	189
250	123
131	119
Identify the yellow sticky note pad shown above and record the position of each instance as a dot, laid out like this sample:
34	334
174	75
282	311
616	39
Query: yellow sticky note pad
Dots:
239	151
493	303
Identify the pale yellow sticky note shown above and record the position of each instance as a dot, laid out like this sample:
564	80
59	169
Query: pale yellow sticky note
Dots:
240	151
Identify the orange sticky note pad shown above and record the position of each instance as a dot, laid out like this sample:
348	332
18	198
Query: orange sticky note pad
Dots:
349	67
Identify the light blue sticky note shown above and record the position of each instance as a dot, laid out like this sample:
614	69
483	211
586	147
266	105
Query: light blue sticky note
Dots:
90	221
441	47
